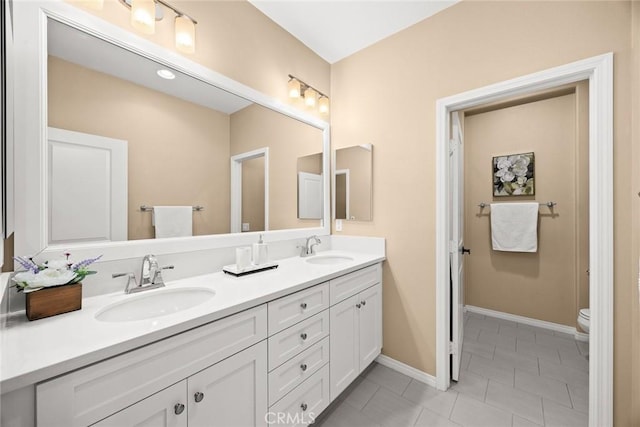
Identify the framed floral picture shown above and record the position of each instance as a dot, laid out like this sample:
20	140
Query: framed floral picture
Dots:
514	175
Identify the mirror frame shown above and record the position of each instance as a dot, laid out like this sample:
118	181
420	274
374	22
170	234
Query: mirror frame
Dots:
30	39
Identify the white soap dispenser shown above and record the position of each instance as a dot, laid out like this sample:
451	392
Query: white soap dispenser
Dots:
260	253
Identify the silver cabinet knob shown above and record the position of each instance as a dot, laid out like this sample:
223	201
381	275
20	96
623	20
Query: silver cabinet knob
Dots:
304	406
198	397
303	367
178	409
363	303
303	305
303	335
358	305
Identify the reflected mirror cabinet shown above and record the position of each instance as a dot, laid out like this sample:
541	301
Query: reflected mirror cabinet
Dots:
353	183
124	125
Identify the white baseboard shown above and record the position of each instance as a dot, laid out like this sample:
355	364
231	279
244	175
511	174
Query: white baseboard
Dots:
529	321
407	370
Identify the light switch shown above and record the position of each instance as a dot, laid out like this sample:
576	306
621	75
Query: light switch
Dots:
338	225
246	226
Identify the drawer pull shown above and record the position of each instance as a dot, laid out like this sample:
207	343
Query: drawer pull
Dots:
303	367
198	397
303	335
303	406
178	409
358	305
364	303
303	305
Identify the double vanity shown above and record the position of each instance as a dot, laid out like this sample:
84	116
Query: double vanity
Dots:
275	347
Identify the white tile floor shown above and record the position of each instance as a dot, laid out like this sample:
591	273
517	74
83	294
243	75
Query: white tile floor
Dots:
512	375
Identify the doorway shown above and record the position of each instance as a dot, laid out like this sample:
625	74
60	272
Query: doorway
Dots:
239	192
598	71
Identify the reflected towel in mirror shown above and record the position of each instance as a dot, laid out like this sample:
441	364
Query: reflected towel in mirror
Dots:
173	221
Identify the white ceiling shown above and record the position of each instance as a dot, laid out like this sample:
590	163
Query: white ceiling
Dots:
335	29
91	52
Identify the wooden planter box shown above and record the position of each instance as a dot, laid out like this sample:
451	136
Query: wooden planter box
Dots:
51	301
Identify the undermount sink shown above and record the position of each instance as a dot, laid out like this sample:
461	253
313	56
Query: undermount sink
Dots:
328	259
154	304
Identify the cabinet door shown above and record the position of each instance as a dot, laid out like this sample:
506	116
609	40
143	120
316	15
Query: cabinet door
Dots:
370	324
232	392
344	344
158	410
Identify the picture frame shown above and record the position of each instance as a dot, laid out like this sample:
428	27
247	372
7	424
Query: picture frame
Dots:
514	175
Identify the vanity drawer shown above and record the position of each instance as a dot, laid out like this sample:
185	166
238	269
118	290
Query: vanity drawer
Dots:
286	344
304	404
288	375
90	394
350	284
294	308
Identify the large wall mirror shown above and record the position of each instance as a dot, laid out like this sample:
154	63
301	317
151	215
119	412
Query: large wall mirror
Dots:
353	183
127	130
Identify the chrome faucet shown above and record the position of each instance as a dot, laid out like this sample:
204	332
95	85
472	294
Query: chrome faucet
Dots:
309	248
150	276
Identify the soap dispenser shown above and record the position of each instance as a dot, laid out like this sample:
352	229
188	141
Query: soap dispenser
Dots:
260	254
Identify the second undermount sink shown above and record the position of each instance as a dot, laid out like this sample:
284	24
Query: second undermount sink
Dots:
328	259
156	303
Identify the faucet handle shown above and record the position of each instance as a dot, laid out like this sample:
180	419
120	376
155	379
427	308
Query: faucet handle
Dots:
131	278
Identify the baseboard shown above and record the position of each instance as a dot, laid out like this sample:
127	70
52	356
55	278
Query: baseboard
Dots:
529	321
410	371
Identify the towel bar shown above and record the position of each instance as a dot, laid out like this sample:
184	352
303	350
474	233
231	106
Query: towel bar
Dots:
145	208
550	205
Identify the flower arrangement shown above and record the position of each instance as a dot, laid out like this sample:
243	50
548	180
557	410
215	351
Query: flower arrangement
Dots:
513	175
51	273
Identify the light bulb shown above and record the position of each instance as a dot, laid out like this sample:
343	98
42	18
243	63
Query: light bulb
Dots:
310	97
185	34
294	88
143	16
323	105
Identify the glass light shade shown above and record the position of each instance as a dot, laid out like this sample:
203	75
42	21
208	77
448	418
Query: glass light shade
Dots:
143	16
323	105
310	97
185	34
294	88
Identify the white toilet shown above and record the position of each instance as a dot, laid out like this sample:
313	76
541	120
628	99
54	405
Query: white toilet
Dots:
583	319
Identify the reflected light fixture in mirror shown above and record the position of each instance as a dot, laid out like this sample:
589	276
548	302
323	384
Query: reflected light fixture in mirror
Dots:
310	94
145	13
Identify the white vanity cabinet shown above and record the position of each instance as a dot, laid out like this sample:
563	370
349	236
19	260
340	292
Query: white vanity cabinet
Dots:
356	327
199	356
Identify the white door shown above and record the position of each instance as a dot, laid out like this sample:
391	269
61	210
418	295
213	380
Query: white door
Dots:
231	393
344	347
166	408
370	313
309	195
456	162
87	187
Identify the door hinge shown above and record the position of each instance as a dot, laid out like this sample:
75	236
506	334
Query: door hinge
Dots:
452	348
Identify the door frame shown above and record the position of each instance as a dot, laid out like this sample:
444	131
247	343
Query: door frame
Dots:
236	187
598	70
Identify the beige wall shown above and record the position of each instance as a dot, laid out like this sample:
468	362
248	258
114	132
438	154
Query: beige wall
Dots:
253	193
541	285
358	160
178	152
288	139
386	94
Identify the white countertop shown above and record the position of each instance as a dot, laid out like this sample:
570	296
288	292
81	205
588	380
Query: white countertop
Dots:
35	351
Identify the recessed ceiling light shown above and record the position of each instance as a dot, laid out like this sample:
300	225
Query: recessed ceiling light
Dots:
166	74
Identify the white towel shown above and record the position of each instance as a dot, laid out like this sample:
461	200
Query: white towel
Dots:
173	221
514	227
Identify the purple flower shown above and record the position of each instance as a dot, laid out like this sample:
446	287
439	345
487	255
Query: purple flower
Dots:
27	264
85	263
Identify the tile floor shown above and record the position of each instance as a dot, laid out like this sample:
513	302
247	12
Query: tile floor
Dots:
512	375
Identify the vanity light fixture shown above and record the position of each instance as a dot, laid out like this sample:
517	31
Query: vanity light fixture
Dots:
311	95
145	13
166	74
